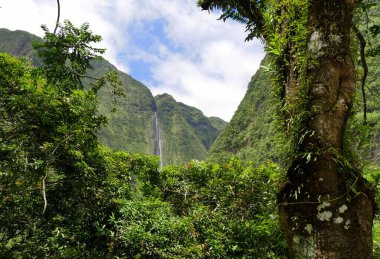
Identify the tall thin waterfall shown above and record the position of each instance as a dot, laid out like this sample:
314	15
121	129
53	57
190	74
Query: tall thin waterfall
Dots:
158	144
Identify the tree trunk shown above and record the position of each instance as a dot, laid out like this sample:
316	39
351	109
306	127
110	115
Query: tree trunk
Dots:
326	208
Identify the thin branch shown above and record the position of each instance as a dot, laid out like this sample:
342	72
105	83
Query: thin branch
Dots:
44	191
47	170
58	16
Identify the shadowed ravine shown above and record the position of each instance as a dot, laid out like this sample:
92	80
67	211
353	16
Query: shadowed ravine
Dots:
157	141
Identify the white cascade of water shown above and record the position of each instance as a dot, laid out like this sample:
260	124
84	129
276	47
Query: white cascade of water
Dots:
158	138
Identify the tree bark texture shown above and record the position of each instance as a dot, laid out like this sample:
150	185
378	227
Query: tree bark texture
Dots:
326	208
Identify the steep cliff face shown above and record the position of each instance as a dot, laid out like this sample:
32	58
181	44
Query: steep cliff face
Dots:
140	123
186	133
130	126
250	135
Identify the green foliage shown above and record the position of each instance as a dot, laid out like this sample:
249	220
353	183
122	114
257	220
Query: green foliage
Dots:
51	167
46	139
366	138
376	237
372	173
66	55
248	12
372	28
199	210
149	228
290	61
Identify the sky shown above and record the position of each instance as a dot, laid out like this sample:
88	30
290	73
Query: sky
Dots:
171	46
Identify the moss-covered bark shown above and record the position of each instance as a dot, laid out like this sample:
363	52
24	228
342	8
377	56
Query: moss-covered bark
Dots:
326	209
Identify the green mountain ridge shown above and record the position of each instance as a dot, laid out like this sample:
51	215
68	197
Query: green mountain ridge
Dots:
186	133
250	135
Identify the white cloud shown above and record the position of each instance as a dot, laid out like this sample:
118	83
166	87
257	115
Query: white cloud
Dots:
207	64
215	66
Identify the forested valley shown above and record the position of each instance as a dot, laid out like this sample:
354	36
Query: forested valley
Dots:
93	166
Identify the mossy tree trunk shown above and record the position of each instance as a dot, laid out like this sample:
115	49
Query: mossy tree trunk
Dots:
326	208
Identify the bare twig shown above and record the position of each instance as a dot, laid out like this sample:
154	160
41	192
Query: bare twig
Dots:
58	16
47	170
44	191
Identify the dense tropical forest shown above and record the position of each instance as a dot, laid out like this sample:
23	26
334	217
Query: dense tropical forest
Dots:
93	166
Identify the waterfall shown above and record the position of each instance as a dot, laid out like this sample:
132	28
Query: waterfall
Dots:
157	145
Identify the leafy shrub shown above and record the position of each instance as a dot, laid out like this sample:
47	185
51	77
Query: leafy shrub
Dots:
200	210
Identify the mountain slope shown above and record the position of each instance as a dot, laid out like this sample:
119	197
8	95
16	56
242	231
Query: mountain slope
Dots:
186	132
217	123
19	43
250	135
130	126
